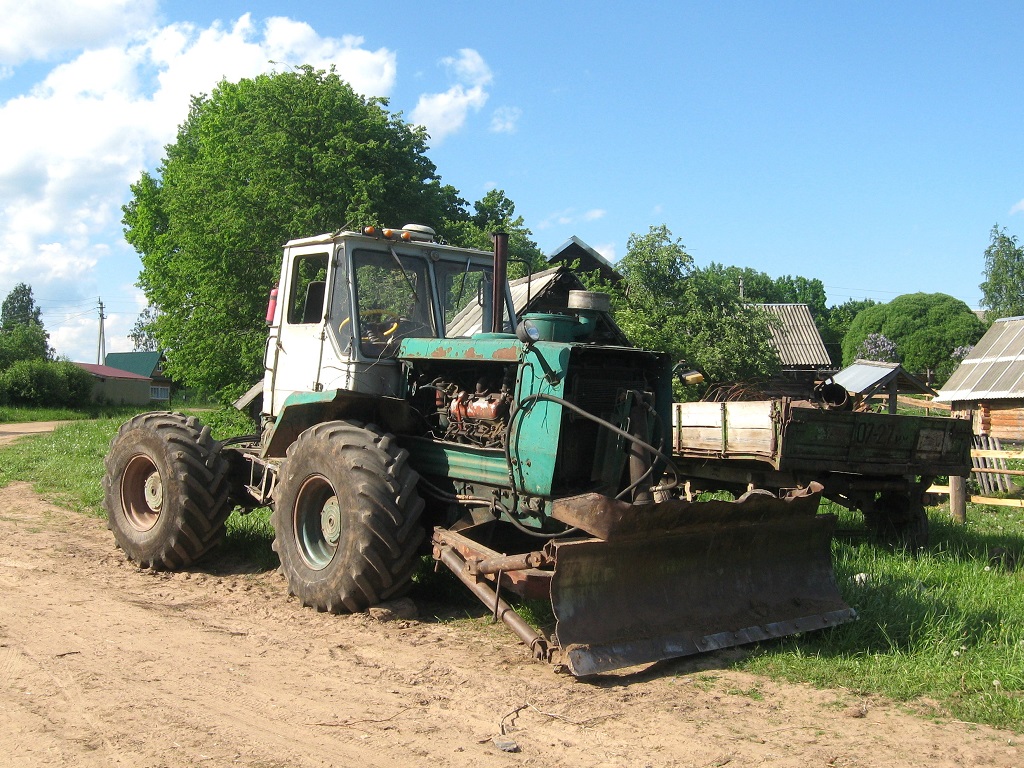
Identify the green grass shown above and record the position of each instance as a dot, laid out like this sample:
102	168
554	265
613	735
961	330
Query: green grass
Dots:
943	632
66	467
18	415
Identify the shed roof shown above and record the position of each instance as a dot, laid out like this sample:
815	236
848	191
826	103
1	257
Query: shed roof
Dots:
994	369
868	376
108	372
797	341
589	259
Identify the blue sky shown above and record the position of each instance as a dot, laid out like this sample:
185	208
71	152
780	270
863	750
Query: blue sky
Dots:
870	145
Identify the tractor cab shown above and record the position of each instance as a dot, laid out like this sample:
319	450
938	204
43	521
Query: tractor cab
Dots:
347	300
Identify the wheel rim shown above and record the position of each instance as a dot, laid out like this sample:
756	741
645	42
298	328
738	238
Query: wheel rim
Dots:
317	522
142	493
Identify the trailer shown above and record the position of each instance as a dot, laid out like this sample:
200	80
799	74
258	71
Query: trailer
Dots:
880	464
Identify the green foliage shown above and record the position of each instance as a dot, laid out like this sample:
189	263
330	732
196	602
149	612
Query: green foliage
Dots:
256	163
226	422
665	303
22	336
141	333
761	288
496	213
23	341
45	383
19	308
943	627
1002	292
925	327
21	414
837	325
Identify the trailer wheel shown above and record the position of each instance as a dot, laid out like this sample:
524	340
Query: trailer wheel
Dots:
347	517
898	520
165	490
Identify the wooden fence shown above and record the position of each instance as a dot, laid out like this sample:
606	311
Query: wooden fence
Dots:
925	405
989	468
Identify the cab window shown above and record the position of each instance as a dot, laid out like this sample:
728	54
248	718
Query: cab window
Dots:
308	291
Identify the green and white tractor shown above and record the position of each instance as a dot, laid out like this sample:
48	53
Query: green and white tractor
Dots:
405	409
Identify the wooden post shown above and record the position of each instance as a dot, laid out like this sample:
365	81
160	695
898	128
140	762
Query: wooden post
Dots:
958	499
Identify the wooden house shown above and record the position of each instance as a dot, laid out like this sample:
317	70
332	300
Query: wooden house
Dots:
988	386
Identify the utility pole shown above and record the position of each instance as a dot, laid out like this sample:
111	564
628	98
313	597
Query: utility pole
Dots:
101	347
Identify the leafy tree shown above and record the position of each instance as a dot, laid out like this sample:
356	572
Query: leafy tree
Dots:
22	336
255	163
837	325
665	303
23	341
19	308
1002	292
925	327
496	213
761	288
141	333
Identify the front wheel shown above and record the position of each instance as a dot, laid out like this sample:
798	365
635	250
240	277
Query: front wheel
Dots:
165	490
347	517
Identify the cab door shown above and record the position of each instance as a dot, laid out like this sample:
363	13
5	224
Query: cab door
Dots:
298	340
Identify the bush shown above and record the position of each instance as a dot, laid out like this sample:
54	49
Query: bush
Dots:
45	383
77	384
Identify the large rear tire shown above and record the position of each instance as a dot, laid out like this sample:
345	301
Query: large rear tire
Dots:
347	517
165	490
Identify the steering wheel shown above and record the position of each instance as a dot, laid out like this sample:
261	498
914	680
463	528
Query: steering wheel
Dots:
386	321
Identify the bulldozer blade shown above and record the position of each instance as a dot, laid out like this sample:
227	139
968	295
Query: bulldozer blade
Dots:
715	575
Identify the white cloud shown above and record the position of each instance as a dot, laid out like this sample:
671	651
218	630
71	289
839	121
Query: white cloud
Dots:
569	216
1019	207
506	119
75	142
607	250
445	113
39	29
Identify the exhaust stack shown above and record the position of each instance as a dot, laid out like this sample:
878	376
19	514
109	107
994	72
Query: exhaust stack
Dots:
500	240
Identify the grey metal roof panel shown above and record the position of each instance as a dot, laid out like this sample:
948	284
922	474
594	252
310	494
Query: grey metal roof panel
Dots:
862	376
994	369
797	341
866	375
469	320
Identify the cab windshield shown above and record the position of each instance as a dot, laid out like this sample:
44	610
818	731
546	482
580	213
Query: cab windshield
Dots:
392	301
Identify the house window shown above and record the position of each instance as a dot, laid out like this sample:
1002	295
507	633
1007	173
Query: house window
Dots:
159	393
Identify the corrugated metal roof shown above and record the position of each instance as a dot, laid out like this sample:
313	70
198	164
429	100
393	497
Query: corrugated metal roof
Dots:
142	363
468	322
994	369
797	341
865	376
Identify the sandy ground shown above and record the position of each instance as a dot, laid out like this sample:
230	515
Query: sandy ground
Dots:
102	664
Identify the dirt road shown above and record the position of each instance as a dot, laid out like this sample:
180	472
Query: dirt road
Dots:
11	432
104	665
